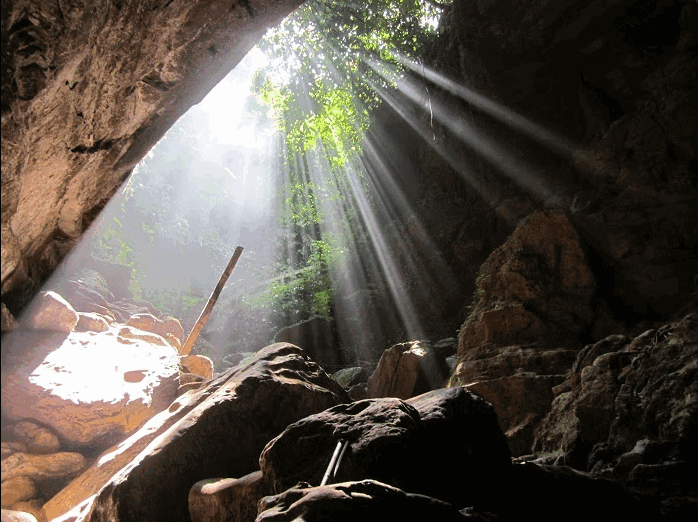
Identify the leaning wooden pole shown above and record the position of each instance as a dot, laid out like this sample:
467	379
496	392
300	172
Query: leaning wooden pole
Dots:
203	318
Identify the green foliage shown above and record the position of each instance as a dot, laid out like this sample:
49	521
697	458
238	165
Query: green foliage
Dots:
318	80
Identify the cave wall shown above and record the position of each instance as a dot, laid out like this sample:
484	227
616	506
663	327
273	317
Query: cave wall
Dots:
615	83
87	88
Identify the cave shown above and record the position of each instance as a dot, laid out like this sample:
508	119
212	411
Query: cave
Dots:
532	188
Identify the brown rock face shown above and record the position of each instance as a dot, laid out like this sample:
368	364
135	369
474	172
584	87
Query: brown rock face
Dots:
37	438
538	282
17	489
39	467
170	328
87	89
216	431
198	365
406	370
51	312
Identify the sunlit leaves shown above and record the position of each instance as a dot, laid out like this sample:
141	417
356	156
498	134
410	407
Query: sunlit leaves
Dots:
338	124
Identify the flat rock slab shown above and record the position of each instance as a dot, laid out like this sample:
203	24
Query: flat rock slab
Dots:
82	384
366	500
218	430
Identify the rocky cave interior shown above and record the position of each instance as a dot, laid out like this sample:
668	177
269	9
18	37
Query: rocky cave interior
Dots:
550	259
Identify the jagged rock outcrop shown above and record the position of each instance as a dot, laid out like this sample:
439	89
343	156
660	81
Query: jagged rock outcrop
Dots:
538	283
534	297
216	431
86	90
628	411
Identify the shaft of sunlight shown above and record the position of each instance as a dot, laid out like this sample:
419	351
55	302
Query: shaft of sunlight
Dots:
554	142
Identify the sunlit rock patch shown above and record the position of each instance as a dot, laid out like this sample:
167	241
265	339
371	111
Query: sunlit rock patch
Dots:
82	387
89	379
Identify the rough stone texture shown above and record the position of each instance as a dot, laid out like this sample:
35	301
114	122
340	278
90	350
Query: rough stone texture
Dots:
91	322
169	327
17	489
366	500
198	365
41	467
518	381
86	90
216	431
37	438
492	362
406	370
51	312
10	515
8	321
538	282
632	407
398	443
78	383
348	377
222	499
8	448
128	334
604	76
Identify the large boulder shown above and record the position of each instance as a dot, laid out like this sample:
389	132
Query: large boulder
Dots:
406	370
218	430
38	439
198	365
16	490
91	388
42	467
50	311
366	500
413	446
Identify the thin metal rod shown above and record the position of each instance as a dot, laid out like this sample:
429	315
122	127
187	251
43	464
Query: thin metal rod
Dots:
339	459
203	318
333	461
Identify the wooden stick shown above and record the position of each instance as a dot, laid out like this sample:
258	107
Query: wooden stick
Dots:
203	318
